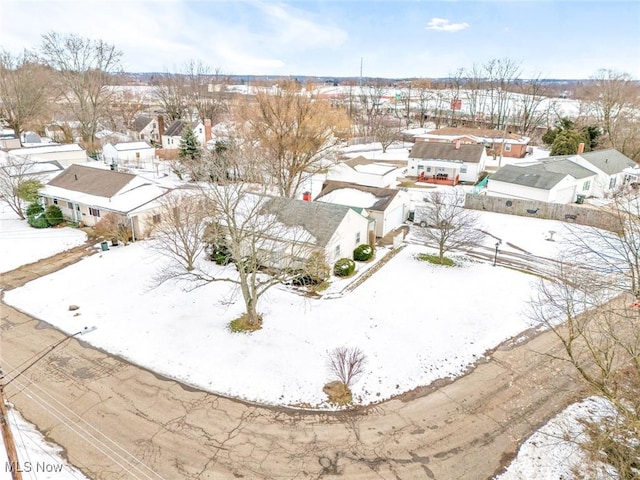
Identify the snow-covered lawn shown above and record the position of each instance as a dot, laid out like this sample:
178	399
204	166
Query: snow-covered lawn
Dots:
415	321
21	244
38	458
553	452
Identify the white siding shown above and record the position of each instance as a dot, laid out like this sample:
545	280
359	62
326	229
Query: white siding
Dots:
352	226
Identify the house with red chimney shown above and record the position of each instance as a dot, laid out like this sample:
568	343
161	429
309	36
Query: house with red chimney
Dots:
446	163
173	134
497	143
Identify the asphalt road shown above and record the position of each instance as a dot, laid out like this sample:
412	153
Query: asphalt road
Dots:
119	421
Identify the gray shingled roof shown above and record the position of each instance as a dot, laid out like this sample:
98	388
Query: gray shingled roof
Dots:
384	195
610	161
534	176
92	181
566	166
320	219
176	128
447	151
141	122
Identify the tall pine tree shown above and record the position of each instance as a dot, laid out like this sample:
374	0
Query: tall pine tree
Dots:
190	149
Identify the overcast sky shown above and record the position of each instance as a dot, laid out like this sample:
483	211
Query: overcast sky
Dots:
401	38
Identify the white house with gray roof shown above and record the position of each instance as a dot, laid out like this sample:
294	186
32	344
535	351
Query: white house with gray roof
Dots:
334	230
563	179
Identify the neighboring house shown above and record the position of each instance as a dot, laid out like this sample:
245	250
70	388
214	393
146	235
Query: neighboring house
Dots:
610	167
9	140
146	128
366	172
534	182
67	154
564	179
86	194
388	207
19	168
128	152
172	136
334	231
496	142
446	163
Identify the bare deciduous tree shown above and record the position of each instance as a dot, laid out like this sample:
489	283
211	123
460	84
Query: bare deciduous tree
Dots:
19	183
256	234
84	70
613	99
447	223
386	131
114	227
293	130
598	331
23	90
591	304
183	218
347	364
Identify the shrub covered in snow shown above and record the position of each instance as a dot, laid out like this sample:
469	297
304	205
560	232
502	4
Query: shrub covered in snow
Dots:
363	253
344	267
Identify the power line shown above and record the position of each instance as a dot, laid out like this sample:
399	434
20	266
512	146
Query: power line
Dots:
74	426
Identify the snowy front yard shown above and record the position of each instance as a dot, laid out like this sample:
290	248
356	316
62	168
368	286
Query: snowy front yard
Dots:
21	244
416	322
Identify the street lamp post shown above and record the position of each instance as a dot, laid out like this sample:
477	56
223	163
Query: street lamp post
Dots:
495	257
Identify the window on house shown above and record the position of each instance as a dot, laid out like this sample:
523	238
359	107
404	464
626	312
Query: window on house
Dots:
156	219
463	168
421	168
507	147
70	205
337	251
55	201
142	136
612	183
586	185
428	169
358	238
94	212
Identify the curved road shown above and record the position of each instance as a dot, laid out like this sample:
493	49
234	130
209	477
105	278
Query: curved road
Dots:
466	429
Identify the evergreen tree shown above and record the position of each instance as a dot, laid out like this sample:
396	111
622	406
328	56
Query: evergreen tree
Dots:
566	142
190	149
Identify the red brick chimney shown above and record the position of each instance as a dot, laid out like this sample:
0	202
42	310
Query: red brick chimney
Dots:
160	127
580	148
207	129
458	144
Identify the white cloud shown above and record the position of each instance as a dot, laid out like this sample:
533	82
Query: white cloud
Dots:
444	25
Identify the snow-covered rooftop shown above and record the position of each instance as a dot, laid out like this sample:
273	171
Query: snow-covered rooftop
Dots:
350	197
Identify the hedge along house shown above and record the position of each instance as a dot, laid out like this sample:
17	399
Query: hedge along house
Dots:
446	163
388	207
86	194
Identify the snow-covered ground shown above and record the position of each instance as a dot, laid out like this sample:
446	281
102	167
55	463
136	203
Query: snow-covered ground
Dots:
415	321
553	452
38	458
21	244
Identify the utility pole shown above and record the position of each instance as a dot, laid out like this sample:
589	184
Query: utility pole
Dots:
7	436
